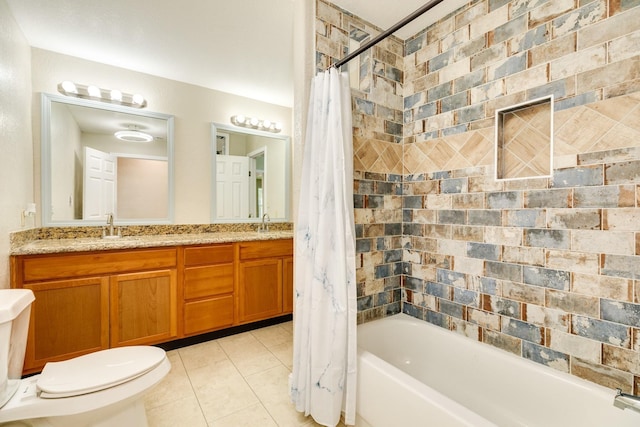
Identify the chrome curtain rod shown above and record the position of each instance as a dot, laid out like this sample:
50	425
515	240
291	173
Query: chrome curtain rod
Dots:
387	33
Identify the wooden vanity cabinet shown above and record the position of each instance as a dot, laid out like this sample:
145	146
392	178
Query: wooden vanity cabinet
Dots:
208	288
89	301
265	279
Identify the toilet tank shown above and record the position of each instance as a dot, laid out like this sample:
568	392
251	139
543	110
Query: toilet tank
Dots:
15	306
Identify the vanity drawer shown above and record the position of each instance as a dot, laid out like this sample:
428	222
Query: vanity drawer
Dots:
266	249
203	255
208	280
60	266
209	314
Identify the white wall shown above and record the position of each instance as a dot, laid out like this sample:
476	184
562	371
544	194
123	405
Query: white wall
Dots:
16	147
194	109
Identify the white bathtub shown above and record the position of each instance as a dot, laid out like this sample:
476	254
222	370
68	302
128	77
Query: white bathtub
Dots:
412	373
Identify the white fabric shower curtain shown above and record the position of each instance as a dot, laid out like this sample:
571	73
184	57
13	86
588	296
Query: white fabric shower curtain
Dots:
323	381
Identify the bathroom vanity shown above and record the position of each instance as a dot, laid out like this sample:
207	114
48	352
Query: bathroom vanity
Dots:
92	296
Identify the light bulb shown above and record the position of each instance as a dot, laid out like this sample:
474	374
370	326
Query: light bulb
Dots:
69	87
137	99
93	91
240	119
116	95
278	126
266	124
254	121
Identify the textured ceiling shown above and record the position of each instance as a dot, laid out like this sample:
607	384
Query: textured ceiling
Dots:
242	47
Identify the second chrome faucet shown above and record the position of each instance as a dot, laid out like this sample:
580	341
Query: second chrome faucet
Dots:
264	227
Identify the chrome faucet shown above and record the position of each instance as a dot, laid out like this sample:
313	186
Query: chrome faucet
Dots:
265	226
111	229
625	400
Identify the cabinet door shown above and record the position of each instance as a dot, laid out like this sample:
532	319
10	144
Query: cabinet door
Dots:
287	291
259	289
143	307
208	314
68	318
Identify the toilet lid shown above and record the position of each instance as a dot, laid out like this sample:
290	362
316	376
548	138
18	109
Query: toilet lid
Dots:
97	371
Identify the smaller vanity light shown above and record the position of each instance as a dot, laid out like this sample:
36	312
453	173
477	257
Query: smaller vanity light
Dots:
255	123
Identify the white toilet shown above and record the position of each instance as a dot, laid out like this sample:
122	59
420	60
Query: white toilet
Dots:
101	389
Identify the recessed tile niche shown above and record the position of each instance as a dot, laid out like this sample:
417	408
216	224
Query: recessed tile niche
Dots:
524	140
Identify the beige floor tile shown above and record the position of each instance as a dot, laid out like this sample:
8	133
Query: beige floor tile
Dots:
199	355
174	386
225	399
254	362
286	415
221	390
248	354
284	353
287	326
179	412
272	385
272	336
253	416
235	381
239	343
218	372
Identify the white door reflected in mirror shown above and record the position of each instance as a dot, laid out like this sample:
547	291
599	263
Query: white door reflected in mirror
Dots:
251	175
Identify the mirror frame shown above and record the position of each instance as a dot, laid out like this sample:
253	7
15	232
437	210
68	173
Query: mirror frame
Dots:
215	127
45	161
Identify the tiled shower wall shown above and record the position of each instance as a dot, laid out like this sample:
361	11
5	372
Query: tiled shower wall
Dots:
377	146
545	268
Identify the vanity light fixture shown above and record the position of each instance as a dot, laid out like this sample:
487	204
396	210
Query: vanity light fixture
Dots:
113	96
255	123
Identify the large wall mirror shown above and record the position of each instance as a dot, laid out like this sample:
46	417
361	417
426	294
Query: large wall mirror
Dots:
251	173
88	172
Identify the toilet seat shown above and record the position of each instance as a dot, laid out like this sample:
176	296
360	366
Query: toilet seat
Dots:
97	371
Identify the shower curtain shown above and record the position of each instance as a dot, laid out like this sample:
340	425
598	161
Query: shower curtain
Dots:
323	380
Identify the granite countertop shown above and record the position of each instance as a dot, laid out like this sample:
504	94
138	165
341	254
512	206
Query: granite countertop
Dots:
82	244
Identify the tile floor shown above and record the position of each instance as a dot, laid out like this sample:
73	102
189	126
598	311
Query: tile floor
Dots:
235	381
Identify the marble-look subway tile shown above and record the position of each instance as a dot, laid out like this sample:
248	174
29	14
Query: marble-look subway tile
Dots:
505	342
576	262
607	242
544	238
523	255
546	317
603	375
522	330
546	356
602	286
600	330
501	306
573	345
572	303
547	278
575	219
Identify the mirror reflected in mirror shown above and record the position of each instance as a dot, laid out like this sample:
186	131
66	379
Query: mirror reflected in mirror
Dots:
251	175
100	159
